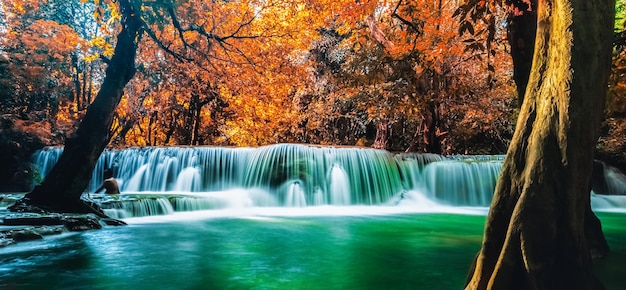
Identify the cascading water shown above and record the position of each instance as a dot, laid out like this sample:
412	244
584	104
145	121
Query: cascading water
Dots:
188	180
339	186
462	182
163	180
295	196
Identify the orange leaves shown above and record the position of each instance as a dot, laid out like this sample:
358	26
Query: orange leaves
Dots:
250	72
57	40
41	43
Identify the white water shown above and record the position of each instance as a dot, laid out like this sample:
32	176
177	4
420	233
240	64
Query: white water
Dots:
168	181
295	195
339	186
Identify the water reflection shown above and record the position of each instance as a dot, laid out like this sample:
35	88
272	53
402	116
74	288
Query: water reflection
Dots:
402	251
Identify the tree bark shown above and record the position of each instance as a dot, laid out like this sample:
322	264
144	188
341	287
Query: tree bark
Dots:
62	188
382	135
535	232
431	129
522	27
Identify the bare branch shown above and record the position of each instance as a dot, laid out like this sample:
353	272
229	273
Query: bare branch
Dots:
156	40
404	21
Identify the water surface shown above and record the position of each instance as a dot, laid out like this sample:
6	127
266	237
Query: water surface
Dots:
396	251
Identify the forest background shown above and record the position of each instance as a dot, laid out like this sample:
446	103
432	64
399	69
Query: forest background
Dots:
395	75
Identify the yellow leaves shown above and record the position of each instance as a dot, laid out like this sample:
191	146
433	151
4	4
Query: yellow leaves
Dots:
191	36
108	50
20	8
102	45
114	14
97	13
90	58
98	42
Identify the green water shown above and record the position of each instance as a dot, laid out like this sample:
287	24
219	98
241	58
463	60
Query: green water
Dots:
403	251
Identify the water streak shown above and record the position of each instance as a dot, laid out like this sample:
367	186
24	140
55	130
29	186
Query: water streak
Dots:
164	180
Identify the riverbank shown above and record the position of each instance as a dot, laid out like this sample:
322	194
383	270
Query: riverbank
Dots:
23	227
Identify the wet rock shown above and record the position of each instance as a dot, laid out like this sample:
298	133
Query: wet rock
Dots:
33	220
4	241
23	235
10	235
113	222
33	223
82	223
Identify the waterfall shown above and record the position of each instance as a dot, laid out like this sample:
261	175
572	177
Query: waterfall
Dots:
339	186
188	180
295	195
462	182
163	180
608	180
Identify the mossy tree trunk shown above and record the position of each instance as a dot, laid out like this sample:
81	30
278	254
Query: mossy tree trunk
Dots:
62	188
535	235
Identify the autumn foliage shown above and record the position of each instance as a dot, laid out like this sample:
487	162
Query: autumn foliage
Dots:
388	74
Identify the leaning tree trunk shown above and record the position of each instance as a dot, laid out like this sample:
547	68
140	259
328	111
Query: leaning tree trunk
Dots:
535	232
63	186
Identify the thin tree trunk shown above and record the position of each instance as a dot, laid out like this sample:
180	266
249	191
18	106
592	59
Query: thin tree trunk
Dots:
63	186
382	135
432	142
83	96
535	232
76	79
90	90
172	128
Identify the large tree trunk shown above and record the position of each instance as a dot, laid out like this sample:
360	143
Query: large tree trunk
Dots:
535	234
63	186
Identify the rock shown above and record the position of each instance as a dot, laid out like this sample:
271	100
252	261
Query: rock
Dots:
6	242
25	235
82	223
33	220
50	230
71	222
27	226
113	222
10	235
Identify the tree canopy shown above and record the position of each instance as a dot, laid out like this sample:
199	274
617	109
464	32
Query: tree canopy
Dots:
395	74
251	73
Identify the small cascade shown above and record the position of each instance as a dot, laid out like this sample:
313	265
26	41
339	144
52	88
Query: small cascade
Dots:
46	158
295	196
188	180
188	203
411	166
319	198
137	207
608	180
339	186
462	183
135	182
